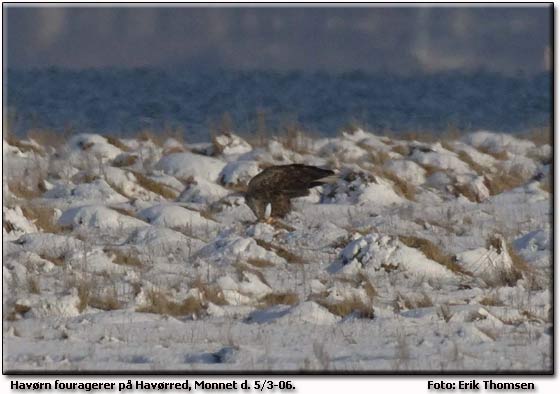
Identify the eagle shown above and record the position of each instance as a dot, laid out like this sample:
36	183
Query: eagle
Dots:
269	192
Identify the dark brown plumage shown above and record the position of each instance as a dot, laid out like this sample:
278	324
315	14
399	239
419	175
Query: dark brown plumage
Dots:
276	185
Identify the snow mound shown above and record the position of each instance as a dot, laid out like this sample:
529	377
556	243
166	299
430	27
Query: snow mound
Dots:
231	144
407	170
343	150
50	245
98	190
161	241
474	186
239	172
525	194
94	144
246	292
522	166
228	248
310	312
538	240
98	217
44	306
376	252
436	156
14	223
498	142
185	165
367	139
361	187
174	216
493	265
535	247
202	191
480	158
126	182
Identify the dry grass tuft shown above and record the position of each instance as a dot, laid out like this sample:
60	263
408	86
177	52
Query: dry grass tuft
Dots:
154	186
403	302
520	268
45	137
465	190
33	285
280	251
117	142
430	170
519	263
241	267
464	156
108	301
23	146
491	300
502	181
403	150
278	299
377	158
539	136
85	291
122	257
260	263
401	187
348	306
209	292
294	139
56	260
22	189
501	155
159	303
125	160
42	217
546	184
173	149
433	252
15	312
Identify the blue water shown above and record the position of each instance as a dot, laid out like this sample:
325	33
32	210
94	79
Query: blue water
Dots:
125	101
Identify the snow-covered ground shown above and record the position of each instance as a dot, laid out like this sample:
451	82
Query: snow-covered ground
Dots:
132	254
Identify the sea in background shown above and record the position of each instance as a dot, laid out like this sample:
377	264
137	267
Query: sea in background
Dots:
122	102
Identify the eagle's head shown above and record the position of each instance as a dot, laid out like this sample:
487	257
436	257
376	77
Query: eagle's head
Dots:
258	206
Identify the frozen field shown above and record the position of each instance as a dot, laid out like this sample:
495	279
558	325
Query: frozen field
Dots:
140	254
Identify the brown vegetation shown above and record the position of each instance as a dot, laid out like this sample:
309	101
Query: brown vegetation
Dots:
154	186
125	160
260	263
433	252
401	149
502	181
159	303
501	155
42	217
464	156
27	190
402	188
539	136
348	306
117	142
278	299
122	257
280	251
